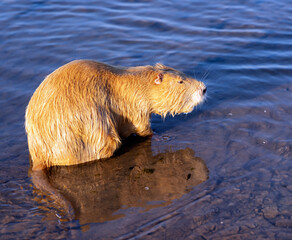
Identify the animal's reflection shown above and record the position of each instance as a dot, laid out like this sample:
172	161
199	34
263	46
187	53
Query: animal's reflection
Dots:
99	190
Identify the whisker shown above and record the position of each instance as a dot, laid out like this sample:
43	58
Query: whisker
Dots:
205	76
206	73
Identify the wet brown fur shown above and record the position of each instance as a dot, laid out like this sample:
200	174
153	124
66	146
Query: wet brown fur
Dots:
81	111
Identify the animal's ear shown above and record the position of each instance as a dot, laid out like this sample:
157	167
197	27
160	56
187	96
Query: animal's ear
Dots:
160	66
159	79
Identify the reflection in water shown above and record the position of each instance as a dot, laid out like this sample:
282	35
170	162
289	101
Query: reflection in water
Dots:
243	132
105	190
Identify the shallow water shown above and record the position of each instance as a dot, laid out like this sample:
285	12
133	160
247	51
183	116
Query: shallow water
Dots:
221	172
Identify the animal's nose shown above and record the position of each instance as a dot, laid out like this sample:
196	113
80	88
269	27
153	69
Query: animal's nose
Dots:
204	90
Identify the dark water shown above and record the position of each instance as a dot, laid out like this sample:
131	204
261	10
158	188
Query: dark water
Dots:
221	172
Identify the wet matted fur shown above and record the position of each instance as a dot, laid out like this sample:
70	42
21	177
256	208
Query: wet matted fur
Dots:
82	110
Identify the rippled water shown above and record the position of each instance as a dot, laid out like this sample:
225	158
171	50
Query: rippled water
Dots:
221	172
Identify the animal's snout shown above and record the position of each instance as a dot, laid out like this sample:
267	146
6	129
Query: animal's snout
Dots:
204	90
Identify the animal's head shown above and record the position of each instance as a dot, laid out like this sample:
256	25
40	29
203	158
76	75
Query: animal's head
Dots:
173	92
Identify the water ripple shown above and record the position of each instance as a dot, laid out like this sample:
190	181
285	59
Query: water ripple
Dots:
241	49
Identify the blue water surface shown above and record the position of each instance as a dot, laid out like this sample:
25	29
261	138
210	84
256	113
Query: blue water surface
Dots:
241	137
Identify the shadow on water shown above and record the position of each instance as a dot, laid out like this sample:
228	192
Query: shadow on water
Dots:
108	189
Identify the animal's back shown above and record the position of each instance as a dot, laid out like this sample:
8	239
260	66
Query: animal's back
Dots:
65	113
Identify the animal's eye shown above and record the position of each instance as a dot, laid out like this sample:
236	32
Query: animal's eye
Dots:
181	81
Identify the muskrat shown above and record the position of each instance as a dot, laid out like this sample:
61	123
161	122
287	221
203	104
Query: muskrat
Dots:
83	110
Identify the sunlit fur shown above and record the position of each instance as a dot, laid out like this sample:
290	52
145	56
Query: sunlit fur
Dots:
176	94
81	111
